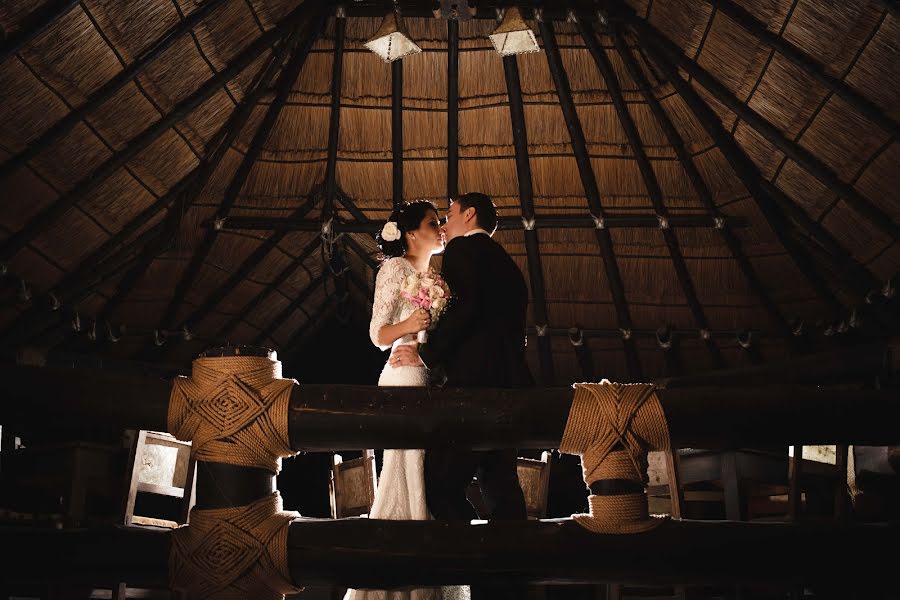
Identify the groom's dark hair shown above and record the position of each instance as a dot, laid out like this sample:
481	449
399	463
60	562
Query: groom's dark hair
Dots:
485	211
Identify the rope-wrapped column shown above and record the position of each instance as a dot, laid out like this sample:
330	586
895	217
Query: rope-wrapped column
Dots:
613	426
234	410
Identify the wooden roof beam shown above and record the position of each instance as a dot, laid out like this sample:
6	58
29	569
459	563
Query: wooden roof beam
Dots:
108	89
526	201
760	31
334	251
670	343
592	193
397	131
286	79
746	171
46	312
653	190
288	310
582	353
247	266
361	253
316	318
702	191
334	123
72	288
452	108
34	25
276	283
51	214
814	166
610	221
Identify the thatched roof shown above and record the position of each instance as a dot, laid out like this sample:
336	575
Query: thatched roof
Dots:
763	133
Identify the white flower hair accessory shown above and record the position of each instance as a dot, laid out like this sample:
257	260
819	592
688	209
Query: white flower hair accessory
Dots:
390	232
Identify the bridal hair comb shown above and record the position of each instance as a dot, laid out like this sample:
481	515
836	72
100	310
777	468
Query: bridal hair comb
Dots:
390	232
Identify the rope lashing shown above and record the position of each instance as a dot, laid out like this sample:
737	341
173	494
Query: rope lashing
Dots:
234	553
612	426
234	410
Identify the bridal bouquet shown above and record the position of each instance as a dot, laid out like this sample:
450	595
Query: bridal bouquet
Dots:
429	291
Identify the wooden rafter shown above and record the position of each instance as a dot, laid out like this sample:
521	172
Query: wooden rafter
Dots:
334	251
526	202
51	214
38	318
670	343
759	30
361	253
316	318
653	189
582	353
108	89
283	88
35	24
702	191
610	221
747	172
452	108
397	131
854	277
276	283
334	123
288	310
73	287
238	275
813	165
592	193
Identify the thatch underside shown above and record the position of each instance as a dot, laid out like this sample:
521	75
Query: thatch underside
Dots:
831	142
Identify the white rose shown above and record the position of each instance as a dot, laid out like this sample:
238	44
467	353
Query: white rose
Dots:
411	281
390	232
427	282
438	304
437	291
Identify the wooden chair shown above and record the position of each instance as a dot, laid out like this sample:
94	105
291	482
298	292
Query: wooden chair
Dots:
534	479
352	486
740	485
159	465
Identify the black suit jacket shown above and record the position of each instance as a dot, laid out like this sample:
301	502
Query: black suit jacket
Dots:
480	339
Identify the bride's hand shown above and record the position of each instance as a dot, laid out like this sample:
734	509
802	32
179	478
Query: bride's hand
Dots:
419	320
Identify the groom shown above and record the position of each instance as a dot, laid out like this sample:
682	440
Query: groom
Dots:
478	342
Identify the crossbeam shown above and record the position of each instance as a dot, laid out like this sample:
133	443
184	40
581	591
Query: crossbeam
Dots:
320	552
326	417
505	223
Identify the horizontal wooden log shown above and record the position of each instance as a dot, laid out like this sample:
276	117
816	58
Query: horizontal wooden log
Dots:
506	223
138	556
378	554
325	417
394	553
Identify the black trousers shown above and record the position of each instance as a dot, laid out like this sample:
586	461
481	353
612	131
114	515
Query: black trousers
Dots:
449	471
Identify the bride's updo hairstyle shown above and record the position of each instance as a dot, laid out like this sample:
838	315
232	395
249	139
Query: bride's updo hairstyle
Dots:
406	217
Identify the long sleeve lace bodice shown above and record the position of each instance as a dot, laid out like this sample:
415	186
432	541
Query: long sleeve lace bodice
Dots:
388	308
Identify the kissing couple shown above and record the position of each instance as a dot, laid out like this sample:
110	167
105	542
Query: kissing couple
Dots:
478	341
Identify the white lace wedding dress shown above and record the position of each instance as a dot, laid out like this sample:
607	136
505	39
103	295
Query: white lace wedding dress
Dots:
401	485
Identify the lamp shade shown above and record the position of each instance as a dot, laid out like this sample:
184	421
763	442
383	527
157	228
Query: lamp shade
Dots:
392	41
513	36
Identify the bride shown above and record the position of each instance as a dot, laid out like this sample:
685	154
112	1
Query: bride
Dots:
408	240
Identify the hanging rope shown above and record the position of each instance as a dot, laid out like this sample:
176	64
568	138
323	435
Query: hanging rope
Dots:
612	426
233	410
234	553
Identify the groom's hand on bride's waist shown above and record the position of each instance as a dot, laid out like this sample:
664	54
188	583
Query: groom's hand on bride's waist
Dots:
405	355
